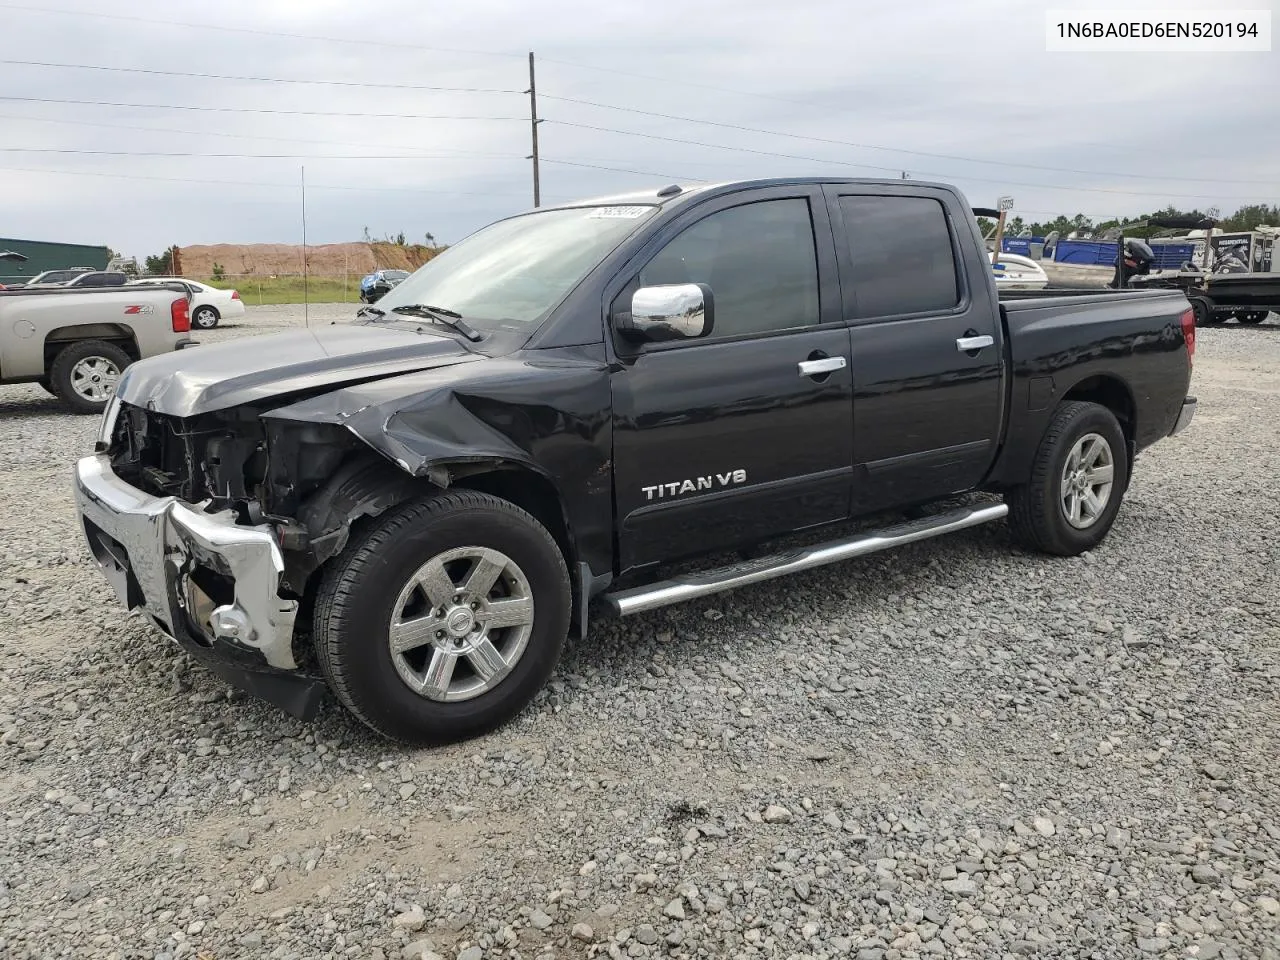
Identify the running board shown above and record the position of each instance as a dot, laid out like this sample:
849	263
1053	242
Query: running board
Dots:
690	586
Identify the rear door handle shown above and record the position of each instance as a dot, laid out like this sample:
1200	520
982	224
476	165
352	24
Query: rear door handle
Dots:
965	344
811	368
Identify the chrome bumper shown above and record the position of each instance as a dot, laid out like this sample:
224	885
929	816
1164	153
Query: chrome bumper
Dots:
149	547
1185	416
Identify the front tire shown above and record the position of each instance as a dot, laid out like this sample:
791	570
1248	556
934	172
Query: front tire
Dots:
1203	310
445	619
84	374
205	318
1078	478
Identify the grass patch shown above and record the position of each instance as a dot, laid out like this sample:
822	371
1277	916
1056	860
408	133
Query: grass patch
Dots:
260	291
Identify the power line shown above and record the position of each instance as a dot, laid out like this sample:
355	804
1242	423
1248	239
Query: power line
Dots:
688	83
916	153
223	76
871	166
154	21
256	183
460	154
299	113
247	156
643	173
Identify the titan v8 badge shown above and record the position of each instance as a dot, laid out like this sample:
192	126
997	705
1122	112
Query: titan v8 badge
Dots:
662	491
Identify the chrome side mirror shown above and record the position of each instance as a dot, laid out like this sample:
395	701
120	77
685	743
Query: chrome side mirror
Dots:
675	311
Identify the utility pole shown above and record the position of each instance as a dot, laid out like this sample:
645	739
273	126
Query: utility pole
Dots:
306	299
904	175
533	127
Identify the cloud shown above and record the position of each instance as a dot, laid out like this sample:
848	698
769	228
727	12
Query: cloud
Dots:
961	79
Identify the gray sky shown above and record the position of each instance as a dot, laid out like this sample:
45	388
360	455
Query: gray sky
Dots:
965	78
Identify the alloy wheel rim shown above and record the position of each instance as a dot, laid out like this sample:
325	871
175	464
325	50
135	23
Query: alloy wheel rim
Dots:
1087	480
94	379
460	624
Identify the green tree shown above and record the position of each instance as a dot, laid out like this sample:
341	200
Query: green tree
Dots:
219	271
160	264
400	239
368	238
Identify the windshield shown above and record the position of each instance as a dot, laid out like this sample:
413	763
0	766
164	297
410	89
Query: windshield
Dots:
514	272
396	274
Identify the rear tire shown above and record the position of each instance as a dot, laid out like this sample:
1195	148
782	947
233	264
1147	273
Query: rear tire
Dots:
1078	478
419	574
205	318
1252	317
85	373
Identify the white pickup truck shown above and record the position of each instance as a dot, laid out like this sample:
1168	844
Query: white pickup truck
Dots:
76	342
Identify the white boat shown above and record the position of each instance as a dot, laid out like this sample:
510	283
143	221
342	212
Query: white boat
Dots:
1016	272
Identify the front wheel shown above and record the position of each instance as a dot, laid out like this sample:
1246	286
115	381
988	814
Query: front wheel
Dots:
1204	314
444	619
1077	481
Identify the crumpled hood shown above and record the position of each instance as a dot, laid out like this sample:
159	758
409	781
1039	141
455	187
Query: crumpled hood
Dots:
206	378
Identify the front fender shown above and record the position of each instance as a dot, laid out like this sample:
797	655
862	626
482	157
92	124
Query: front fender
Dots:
547	411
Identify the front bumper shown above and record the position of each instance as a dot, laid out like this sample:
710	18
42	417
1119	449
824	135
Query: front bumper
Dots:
209	583
1185	416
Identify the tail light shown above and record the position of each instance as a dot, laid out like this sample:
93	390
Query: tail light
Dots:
1188	319
180	313
235	294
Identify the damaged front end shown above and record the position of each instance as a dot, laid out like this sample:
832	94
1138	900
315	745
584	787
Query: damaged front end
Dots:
193	520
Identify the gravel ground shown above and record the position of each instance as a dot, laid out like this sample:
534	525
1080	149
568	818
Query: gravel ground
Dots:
955	750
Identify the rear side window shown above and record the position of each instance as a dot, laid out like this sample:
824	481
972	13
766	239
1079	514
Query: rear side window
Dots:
759	260
900	249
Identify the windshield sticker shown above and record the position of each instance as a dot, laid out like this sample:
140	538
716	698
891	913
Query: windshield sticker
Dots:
617	213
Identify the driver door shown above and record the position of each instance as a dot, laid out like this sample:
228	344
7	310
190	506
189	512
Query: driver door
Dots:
745	433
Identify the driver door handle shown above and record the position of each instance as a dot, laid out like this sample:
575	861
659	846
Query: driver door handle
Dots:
810	368
965	344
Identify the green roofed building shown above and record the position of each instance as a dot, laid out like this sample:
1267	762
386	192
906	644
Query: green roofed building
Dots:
42	256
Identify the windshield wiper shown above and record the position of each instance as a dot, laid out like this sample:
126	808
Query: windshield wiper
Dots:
371	311
450	318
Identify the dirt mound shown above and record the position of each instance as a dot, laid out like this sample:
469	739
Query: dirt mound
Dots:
330	259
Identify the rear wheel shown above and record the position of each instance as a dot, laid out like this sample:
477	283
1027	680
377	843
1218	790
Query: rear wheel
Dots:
205	317
84	374
445	619
1078	478
1252	317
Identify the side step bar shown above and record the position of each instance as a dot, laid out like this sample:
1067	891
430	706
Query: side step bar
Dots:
704	583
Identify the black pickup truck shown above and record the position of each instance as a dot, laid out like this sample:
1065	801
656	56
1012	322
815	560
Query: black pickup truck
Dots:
413	509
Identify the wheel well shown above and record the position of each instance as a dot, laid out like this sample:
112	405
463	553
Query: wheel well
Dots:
206	306
526	489
63	337
1112	394
532	493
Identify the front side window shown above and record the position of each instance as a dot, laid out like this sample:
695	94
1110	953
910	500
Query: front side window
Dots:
901	253
758	259
513	273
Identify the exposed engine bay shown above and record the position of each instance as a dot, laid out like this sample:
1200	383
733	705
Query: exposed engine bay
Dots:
310	480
